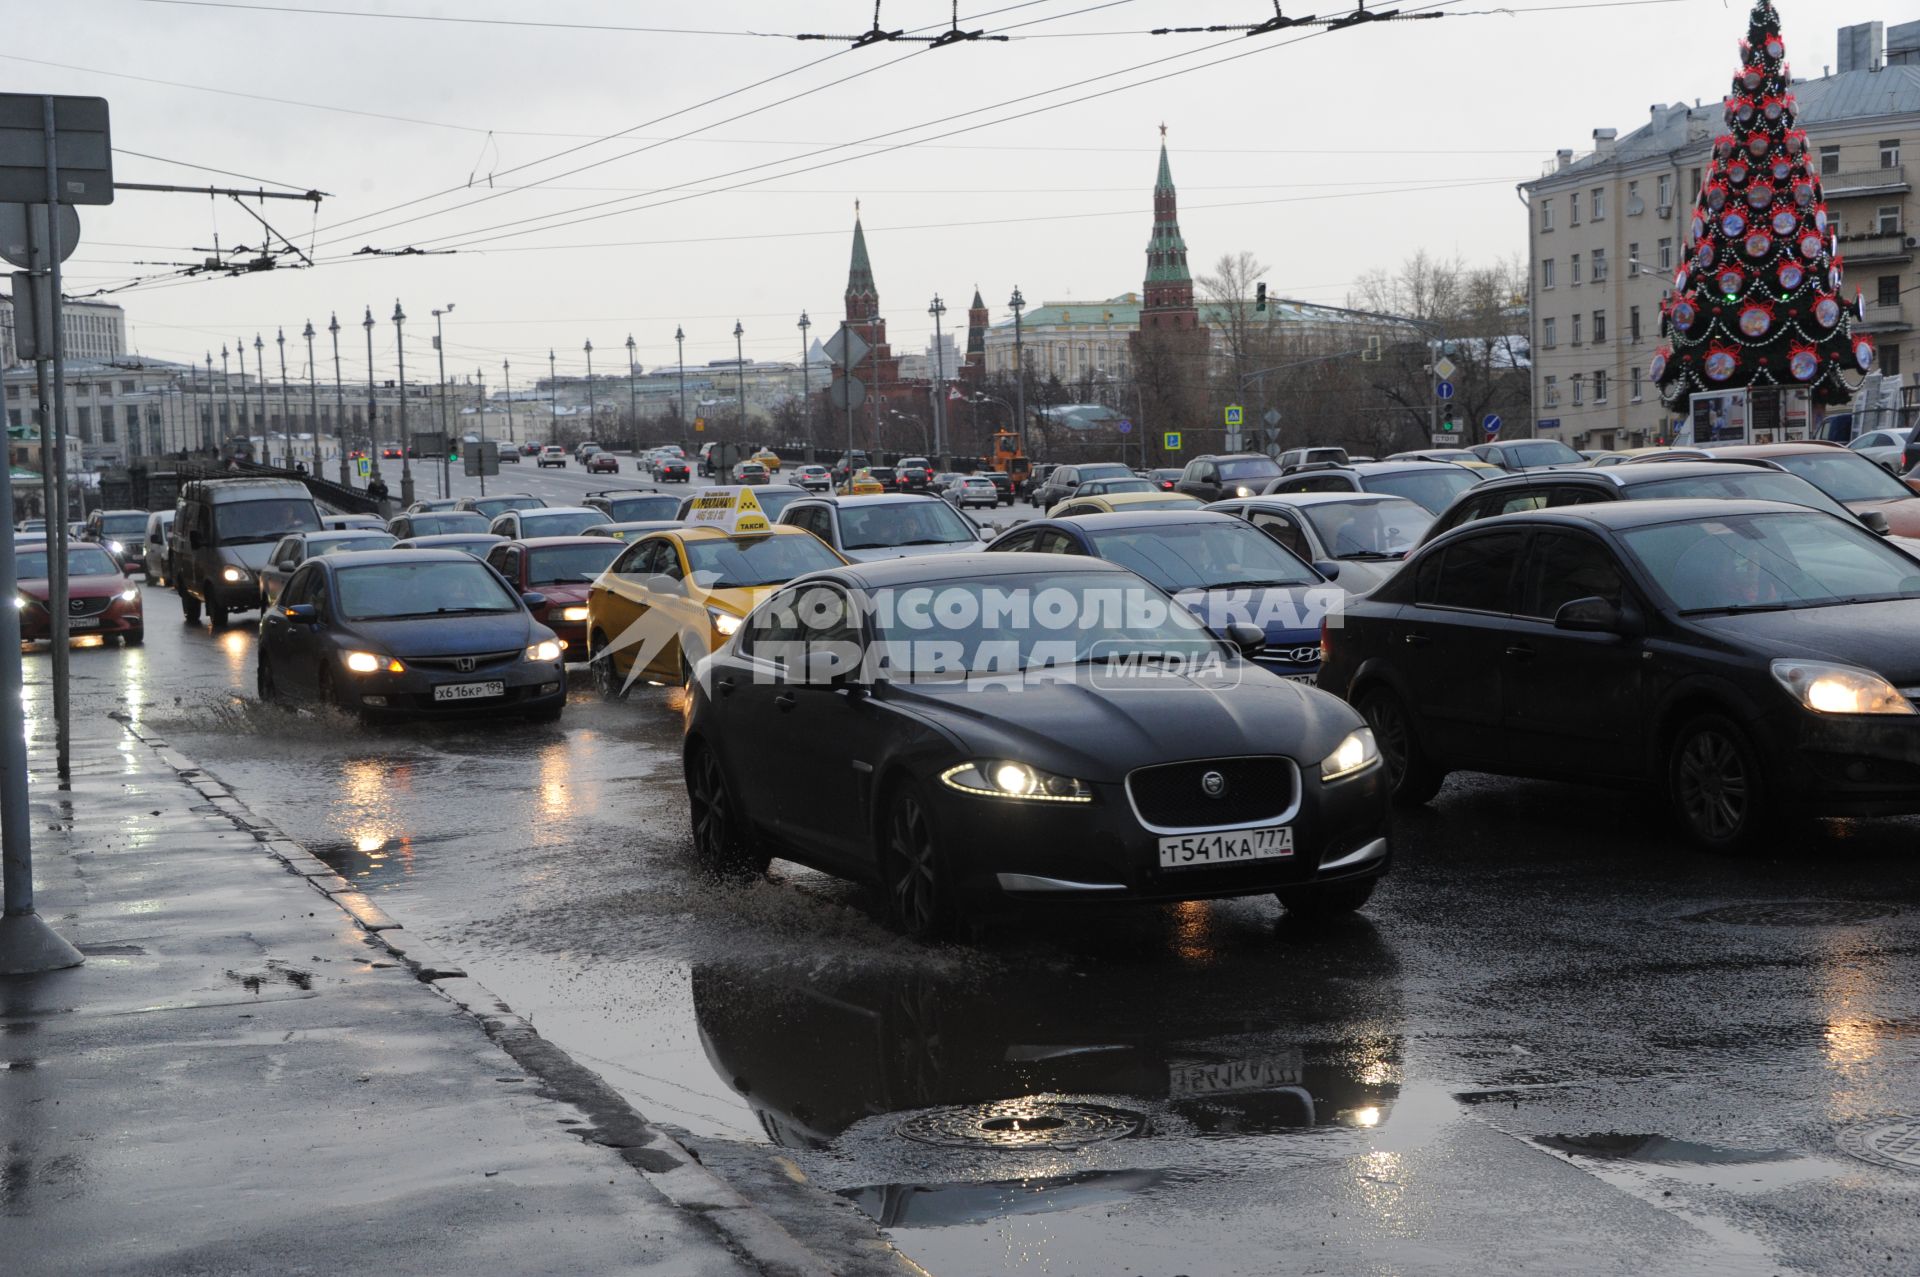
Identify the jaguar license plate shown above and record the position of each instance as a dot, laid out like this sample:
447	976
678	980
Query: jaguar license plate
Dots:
468	691
1229	1077
1231	846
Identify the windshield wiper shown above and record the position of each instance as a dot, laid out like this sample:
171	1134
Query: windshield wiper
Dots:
1741	607
1253	585
936	541
1372	555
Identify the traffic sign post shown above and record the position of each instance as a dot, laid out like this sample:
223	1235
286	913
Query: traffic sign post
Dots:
1235	415
1124	426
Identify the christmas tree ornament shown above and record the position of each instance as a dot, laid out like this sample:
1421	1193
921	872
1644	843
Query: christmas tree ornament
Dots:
1803	362
1791	276
1731	280
1759	195
1758	245
1827	311
1734	224
1784	222
1721	363
1657	369
1863	353
1756	320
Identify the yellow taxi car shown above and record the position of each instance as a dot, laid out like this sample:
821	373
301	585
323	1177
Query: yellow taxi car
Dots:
768	458
675	595
862	484
1127	502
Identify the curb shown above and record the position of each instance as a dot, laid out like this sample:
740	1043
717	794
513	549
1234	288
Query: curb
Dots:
669	1166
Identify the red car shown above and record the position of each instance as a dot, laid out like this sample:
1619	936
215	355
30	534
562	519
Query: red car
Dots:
100	599
603	463
675	472
559	569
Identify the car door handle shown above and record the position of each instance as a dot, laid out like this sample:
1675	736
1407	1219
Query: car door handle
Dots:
785	701
1521	652
724	687
1417	640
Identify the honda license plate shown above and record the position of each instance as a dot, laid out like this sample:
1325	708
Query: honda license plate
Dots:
1231	846
468	691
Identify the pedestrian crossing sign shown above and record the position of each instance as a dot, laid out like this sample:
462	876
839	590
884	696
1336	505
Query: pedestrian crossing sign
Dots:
1172	441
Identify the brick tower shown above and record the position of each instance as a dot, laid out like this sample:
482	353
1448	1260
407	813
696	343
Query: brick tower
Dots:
973	370
1169	286
879	369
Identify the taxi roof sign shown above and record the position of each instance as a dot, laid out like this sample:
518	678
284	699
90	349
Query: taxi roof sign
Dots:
732	508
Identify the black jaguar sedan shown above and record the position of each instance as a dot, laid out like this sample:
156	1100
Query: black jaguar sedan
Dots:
1750	659
969	731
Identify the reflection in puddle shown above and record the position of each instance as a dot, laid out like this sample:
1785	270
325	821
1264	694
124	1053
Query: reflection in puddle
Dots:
944	1205
1656	1150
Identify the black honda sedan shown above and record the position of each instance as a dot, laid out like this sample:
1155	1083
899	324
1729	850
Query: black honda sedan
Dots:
971	730
420	632
1750	659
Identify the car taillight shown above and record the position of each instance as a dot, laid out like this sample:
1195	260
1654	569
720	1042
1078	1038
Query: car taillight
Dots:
1326	641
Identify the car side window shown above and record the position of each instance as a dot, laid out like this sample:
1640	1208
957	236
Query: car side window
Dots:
666	560
1081	508
287	554
297	587
1574	494
502	526
1053	541
1521	502
1192	473
1316	483
1474	574
633	559
1015	542
317	592
1562	567
1283	529
1208	474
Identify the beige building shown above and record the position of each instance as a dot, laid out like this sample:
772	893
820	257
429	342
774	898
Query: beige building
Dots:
94	330
1607	229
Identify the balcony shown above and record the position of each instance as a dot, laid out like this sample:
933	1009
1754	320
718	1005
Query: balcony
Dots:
1864	182
1884	317
1876	248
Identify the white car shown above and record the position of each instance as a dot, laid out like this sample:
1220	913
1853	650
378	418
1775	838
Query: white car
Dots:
889	526
813	479
553	455
1885	448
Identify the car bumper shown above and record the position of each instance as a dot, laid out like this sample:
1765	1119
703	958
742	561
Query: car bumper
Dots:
1867	765
36	623
1011	852
528	685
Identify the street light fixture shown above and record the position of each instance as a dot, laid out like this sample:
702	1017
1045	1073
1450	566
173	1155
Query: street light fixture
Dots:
939	310
680	342
506	387
406	441
740	371
313	398
592	409
553	394
339	400
806	381
1018	305
286	402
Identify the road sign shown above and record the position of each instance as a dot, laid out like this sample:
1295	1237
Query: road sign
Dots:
734	508
1124	426
846	348
1444	369
848	393
1271	417
1235	415
699	423
1446	441
1171	441
32	313
1547	423
362	467
1491	424
1443	390
81	145
482	458
16	241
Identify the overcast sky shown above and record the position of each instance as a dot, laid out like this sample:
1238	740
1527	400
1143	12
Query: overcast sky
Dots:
1324	155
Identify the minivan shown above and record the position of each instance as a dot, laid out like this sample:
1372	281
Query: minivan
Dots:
224	530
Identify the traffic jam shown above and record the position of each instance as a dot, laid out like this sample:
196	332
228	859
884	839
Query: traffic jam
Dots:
1173	686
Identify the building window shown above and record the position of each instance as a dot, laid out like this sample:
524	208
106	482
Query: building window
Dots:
1553	392
1634	264
1579	389
1549	335
84	416
1573	209
1546	273
1599	326
1633	323
1599	265
1599	203
127	387
1636	383
1546	215
1888	221
1576	330
108	433
1695	197
1666	192
1666	254
1829	161
1890	153
1890	361
1634	206
1574	271
1600	387
1889	292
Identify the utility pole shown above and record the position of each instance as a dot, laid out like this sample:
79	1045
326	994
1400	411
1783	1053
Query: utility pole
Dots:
406	443
553	396
226	390
339	401
506	385
446	431
373	407
206	436
680	341
1019	304
740	371
633	402
480	415
286	404
266	429
313	399
806	384
246	413
938	310
592	426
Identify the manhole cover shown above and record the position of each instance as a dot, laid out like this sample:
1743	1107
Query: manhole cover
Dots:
1895	1143
1796	913
1021	1124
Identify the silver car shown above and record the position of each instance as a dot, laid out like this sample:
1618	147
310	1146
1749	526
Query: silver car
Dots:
1885	448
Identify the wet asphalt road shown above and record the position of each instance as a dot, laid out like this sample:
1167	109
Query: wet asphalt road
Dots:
1558	1041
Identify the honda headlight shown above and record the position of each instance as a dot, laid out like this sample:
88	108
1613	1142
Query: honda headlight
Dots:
232	574
573	613
1000	778
1350	757
1840	689
544	651
725	624
368	663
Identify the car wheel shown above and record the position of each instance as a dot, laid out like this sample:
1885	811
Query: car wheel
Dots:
1717	784
607	683
913	872
1412	778
720	840
216	615
1334	900
133	638
189	608
263	684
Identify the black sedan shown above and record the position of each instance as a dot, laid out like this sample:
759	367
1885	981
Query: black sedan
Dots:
974	730
1750	659
421	632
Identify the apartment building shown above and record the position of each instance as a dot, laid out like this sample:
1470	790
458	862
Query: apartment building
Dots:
1607	229
94	330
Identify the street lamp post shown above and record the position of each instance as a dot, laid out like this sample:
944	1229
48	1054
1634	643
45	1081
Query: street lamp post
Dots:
266	427
240	348
406	443
633	402
286	401
740	372
313	398
806	382
373	407
680	342
506	386
446	431
592	427
206	436
480	416
339	398
553	395
1019	304
938	310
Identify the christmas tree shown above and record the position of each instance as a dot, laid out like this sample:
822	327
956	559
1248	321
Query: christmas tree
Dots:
1757	301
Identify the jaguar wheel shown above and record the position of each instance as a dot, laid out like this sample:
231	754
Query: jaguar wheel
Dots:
1412	778
919	890
721	843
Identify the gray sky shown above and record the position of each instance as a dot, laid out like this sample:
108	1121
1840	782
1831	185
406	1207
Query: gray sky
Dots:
1320	155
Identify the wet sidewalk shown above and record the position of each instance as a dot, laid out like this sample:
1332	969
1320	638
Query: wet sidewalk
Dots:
252	1075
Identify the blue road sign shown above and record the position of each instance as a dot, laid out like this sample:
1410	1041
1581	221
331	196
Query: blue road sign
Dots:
1234	414
1491	424
1547	423
1172	441
1444	390
1125	426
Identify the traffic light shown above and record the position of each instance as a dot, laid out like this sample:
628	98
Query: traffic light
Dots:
1260	297
1447	423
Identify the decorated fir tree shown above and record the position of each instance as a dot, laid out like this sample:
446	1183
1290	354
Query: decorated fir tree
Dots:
1757	300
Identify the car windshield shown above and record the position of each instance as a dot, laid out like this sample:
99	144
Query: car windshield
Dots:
494	507
425	525
123	525
642	509
813	470
558	523
82	560
1240	469
1540	452
1758	485
1202	556
1002	624
389	591
1107	487
773	501
1845	476
1434	489
1771	562
251	522
476	546
902	523
570	564
1369	529
736	562
350	545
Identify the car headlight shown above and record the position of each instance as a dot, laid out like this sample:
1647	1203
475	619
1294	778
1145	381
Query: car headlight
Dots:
1350	757
232	574
1840	689
116	547
726	624
368	663
1243	491
19	600
573	613
1001	778
544	651
131	593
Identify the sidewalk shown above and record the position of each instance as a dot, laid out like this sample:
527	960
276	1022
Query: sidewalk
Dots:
248	1075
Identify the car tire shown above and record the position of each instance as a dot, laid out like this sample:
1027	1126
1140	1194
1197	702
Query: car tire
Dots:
216	615
1320	902
189	608
607	683
1718	786
1412	777
722	845
264	687
133	638
920	898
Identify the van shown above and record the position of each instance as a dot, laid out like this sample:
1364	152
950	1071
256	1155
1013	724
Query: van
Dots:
224	530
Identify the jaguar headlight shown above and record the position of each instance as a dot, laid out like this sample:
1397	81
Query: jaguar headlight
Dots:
1350	757
1840	689
1002	778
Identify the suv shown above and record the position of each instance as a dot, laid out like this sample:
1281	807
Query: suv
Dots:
1238	474
119	533
552	455
1065	480
1002	484
584	449
1308	456
224	531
